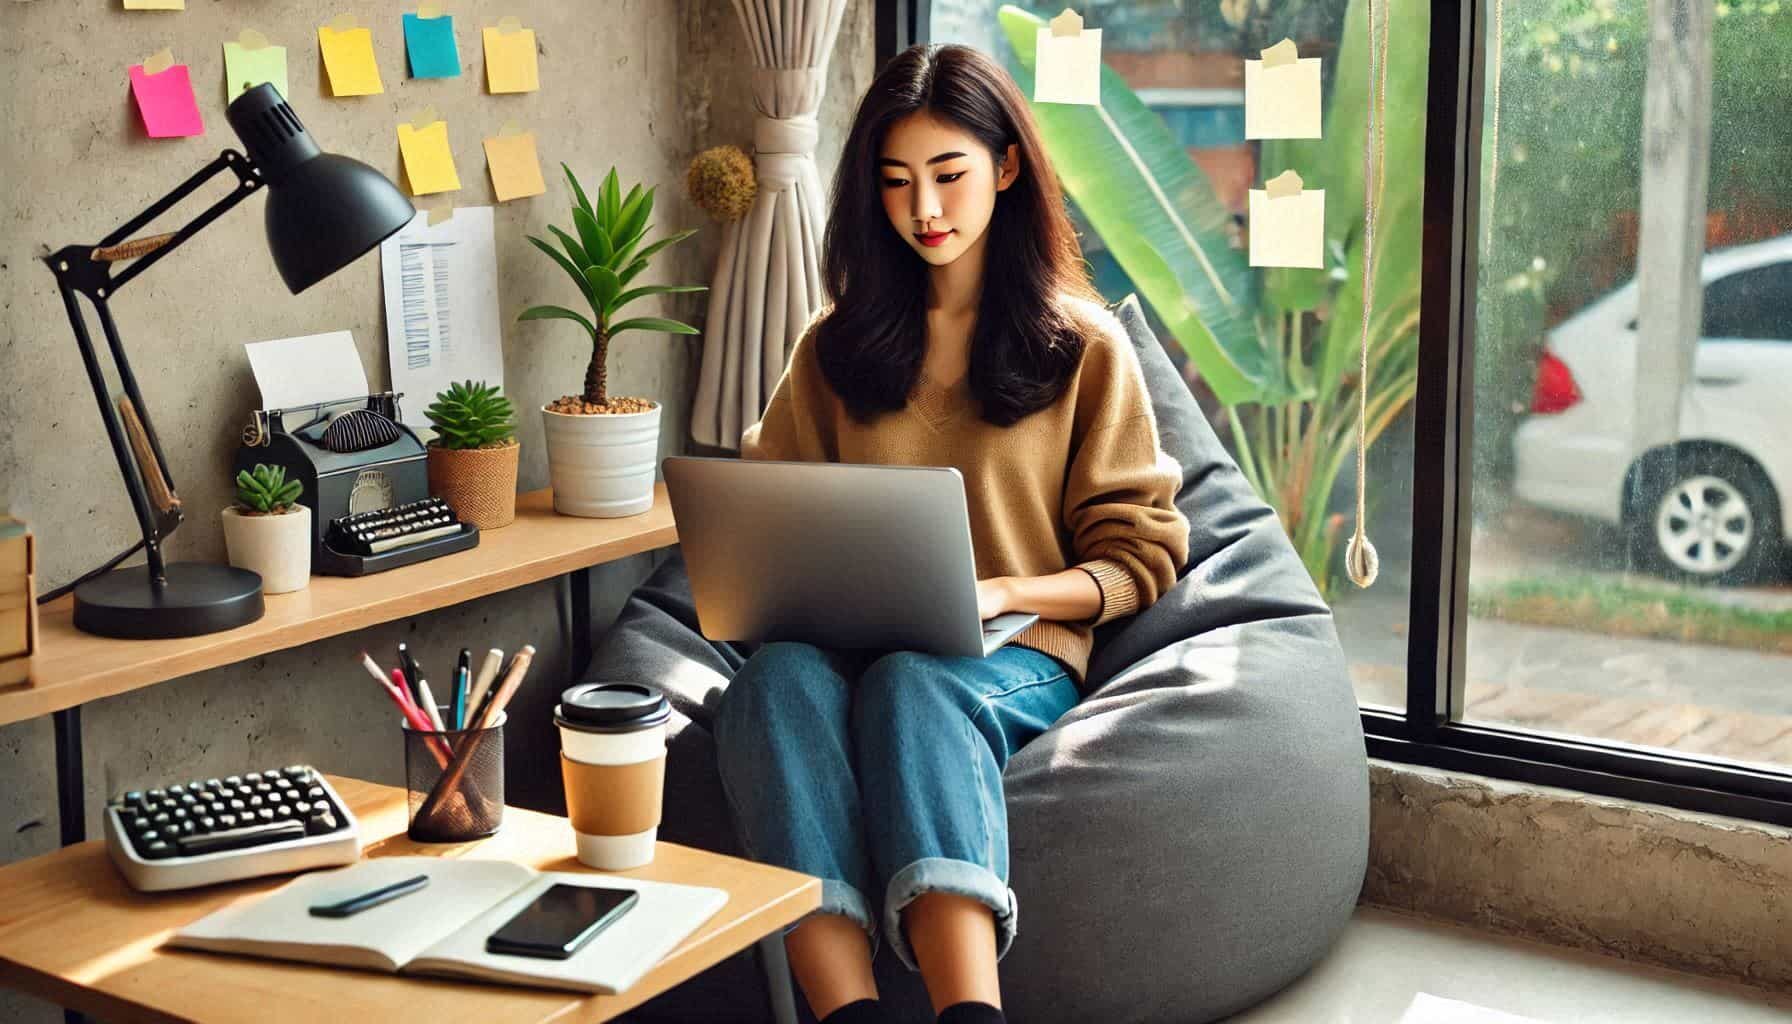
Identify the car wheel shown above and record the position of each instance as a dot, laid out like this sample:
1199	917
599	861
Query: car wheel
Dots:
1706	516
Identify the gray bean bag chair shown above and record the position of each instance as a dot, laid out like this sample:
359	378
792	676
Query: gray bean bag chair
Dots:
1187	841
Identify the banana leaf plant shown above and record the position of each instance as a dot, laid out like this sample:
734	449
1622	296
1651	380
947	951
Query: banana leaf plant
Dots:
601	259
1280	353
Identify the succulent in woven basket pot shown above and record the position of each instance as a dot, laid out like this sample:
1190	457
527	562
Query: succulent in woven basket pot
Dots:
268	531
472	461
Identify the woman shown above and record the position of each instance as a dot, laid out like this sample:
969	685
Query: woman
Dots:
962	331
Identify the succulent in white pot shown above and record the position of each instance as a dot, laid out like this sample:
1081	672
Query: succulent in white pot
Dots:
602	451
267	531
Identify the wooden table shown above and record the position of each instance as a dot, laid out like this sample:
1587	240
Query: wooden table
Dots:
73	932
73	667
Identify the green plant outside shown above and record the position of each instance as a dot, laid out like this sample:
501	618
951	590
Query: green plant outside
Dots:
471	414
1600	606
601	258
266	489
1281	354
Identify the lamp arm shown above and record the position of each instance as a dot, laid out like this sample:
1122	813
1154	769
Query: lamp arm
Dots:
87	270
115	246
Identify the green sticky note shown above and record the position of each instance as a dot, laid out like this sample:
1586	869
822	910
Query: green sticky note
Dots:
245	67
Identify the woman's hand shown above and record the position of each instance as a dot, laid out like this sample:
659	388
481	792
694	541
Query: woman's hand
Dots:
994	597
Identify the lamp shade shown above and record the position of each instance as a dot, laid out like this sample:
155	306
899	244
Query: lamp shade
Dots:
324	210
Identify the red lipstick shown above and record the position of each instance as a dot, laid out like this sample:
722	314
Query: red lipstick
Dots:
933	238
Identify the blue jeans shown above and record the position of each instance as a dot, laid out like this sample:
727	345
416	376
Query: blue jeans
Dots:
856	766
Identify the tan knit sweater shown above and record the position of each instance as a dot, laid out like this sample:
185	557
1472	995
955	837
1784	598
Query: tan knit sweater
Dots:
1082	483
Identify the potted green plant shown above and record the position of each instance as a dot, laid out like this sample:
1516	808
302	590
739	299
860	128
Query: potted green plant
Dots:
602	450
472	460
267	531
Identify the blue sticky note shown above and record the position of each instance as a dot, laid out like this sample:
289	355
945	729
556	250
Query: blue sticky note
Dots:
430	43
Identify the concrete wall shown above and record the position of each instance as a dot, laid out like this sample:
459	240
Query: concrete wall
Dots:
1694	892
643	84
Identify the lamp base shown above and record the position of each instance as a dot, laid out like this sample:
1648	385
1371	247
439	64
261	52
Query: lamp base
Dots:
198	598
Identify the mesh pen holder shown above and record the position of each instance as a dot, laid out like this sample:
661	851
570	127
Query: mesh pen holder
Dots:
454	783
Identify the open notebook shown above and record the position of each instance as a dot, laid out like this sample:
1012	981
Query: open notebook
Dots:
441	929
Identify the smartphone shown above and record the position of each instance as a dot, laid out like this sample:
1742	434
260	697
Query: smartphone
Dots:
561	921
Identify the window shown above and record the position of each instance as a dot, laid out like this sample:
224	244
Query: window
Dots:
1624	591
1536	624
1751	305
1291	425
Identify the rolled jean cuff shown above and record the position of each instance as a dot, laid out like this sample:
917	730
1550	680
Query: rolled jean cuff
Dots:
960	877
837	897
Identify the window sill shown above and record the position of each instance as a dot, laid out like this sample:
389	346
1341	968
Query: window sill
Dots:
1690	891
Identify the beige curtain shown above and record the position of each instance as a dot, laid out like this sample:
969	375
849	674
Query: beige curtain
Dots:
768	277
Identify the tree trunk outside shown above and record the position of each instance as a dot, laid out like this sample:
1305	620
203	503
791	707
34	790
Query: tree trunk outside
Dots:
596	374
1671	241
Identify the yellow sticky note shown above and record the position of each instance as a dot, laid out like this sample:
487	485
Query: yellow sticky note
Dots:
1068	62
515	167
348	58
428	162
1287	224
1281	95
155	5
510	60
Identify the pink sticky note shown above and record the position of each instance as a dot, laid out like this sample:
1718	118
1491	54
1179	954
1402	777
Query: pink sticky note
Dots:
166	102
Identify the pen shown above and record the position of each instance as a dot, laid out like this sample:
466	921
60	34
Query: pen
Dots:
384	894
409	664
410	713
494	660
482	711
429	705
458	705
519	666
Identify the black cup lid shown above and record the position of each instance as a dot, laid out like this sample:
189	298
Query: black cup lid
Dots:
613	707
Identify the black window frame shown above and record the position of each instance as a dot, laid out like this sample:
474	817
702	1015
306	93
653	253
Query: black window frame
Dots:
1424	734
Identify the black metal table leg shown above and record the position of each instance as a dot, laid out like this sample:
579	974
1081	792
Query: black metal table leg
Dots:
581	624
776	964
69	802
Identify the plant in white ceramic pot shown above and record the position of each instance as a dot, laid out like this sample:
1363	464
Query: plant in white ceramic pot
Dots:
602	451
267	531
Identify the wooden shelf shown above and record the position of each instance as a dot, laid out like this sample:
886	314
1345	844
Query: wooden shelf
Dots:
73	667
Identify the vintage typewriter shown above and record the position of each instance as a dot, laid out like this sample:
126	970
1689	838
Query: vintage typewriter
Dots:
365	478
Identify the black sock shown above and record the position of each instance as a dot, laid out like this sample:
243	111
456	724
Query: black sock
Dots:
864	1011
972	1013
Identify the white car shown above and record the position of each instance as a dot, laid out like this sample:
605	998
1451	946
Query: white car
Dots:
1710	508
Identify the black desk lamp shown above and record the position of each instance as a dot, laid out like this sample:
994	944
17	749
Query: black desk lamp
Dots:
323	212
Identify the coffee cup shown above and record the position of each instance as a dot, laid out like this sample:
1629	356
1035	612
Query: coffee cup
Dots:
613	762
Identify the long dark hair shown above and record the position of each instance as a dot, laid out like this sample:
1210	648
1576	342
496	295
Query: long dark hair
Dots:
1024	348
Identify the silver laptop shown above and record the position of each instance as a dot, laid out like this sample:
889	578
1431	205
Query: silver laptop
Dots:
835	554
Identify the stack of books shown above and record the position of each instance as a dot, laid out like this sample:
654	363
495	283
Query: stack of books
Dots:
18	601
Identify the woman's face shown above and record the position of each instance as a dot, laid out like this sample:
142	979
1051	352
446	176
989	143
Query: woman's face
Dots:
939	185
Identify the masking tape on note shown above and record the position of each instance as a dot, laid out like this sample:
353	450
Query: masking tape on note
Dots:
344	23
158	62
1068	23
509	24
1282	53
250	39
1284	184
